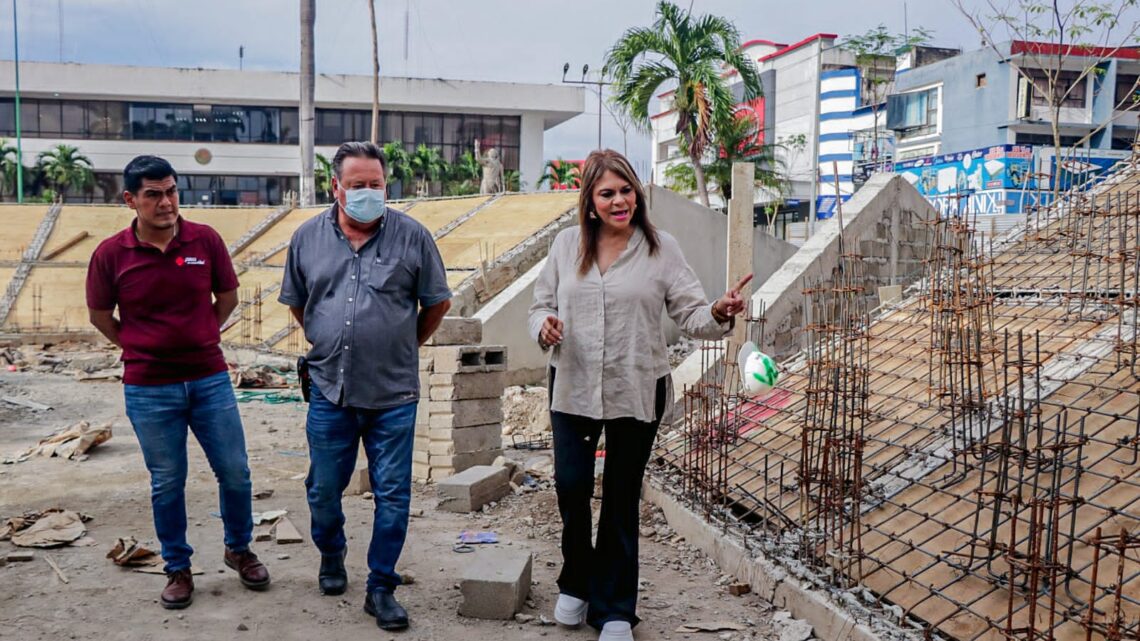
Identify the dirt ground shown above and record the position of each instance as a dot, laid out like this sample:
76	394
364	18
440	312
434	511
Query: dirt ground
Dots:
105	602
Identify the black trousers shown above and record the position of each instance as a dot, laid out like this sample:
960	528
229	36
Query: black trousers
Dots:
602	573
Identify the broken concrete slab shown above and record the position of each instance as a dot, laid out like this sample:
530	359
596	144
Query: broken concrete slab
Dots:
496	584
460	462
473	488
456	330
285	532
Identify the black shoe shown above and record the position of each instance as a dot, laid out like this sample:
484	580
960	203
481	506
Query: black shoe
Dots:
332	578
390	615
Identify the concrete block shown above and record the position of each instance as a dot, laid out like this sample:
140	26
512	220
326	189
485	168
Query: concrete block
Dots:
421	471
458	387
469	439
460	462
425	361
473	488
456	330
467	359
361	482
425	382
496	584
480	411
421	456
890	294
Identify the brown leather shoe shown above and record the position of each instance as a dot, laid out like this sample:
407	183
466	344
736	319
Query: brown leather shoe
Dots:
179	592
253	573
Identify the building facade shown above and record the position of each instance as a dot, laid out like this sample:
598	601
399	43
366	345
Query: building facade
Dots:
233	135
971	131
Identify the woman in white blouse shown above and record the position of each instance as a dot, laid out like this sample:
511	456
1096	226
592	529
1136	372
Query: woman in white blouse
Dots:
598	304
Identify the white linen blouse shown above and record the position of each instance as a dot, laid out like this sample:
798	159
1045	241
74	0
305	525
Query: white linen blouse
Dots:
613	344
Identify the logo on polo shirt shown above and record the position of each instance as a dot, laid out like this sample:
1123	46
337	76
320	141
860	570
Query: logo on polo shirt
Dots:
189	260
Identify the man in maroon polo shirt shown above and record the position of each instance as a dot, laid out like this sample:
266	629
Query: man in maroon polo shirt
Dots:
174	285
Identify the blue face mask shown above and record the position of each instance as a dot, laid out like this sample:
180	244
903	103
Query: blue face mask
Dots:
364	205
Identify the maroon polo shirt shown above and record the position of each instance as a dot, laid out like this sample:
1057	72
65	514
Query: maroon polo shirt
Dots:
168	327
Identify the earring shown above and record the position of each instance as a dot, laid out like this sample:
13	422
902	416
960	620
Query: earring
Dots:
593	215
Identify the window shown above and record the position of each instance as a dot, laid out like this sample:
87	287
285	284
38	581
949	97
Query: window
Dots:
980	80
1045	140
913	114
1127	91
1066	88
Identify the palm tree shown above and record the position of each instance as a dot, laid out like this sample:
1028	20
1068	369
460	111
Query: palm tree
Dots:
561	175
322	176
64	168
692	52
7	167
463	175
396	158
426	165
736	141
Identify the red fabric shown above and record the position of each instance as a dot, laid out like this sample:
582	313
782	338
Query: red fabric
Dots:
169	330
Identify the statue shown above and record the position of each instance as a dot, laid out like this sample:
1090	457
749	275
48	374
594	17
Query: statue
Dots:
492	171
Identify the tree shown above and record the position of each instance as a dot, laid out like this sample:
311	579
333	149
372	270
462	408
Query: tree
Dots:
322	177
7	167
396	159
875	57
560	174
737	141
1056	39
65	168
695	53
426	165
462	175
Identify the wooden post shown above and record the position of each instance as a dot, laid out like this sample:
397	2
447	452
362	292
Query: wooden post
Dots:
740	241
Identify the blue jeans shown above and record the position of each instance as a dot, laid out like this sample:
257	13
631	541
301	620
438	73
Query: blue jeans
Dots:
334	435
160	415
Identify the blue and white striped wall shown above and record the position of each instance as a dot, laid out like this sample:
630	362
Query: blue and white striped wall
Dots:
840	114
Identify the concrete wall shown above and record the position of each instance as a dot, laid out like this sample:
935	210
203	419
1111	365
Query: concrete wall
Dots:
703	236
883	221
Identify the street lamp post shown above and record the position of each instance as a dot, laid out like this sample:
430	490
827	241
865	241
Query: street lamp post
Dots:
598	84
19	136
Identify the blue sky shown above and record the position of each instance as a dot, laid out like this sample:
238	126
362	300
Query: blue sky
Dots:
507	40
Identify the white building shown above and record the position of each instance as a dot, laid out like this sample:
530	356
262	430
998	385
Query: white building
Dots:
788	113
232	135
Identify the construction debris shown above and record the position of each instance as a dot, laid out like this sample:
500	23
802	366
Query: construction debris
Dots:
128	552
259	377
71	442
56	569
21	557
25	402
711	626
47	529
284	532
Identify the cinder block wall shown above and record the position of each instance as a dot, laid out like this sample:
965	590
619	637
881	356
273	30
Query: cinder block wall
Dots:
459	422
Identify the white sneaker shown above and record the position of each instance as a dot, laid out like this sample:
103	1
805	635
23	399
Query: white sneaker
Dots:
616	631
570	611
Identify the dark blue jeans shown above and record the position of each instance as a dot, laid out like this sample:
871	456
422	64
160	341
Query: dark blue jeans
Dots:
160	415
334	435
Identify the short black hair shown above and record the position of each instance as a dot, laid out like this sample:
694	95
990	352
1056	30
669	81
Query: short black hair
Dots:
141	167
355	149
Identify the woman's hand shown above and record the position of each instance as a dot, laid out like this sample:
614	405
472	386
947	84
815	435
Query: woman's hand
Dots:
551	332
731	304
